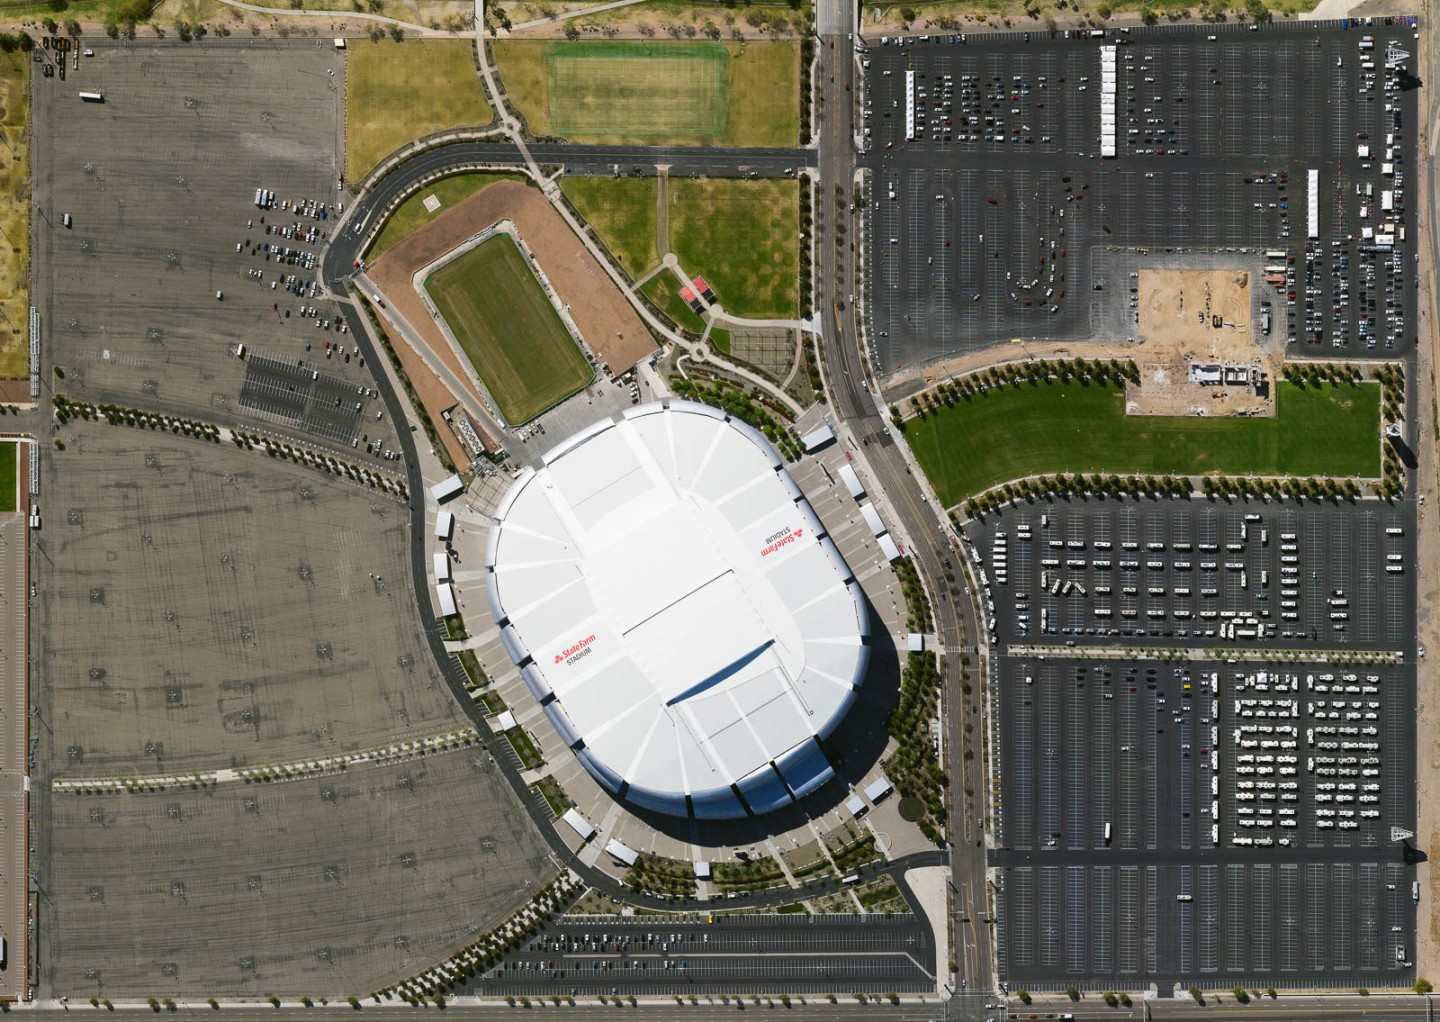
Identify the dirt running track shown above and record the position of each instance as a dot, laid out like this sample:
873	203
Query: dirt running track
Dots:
607	322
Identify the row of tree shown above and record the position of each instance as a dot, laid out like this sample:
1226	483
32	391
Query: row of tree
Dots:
1077	484
1111	372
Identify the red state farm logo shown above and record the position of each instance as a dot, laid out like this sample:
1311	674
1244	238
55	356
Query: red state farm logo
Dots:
572	653
784	537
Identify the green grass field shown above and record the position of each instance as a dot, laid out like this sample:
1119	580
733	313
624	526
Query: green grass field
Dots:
743	237
398	92
623	212
508	329
410	216
656	92
1054	427
9	471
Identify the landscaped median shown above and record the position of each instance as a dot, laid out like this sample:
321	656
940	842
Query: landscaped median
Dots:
970	442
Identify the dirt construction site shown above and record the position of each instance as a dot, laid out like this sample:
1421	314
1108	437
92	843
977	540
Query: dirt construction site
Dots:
1199	318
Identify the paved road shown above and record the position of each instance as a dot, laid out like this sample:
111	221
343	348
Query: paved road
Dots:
581	159
1286	1009
930	545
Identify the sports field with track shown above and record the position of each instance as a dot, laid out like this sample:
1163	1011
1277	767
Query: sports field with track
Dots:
508	328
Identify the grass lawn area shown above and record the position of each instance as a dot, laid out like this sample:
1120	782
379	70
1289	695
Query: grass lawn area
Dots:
15	216
656	92
721	339
410	216
743	237
398	92
508	329
664	291
9	470
623	212
1055	427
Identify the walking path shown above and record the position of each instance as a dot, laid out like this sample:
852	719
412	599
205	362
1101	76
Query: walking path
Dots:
662	210
381	19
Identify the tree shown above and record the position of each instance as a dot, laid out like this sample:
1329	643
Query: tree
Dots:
1072	993
1195	993
1242	995
1422	986
907	14
1024	996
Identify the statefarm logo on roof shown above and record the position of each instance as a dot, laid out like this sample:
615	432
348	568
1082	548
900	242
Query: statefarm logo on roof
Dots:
784	537
570	654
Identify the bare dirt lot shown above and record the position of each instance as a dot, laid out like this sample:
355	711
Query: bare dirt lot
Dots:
1177	328
606	320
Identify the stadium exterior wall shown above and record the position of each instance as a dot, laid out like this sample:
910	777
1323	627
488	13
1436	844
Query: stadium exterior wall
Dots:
778	779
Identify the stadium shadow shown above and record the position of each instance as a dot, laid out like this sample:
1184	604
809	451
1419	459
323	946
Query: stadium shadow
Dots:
853	749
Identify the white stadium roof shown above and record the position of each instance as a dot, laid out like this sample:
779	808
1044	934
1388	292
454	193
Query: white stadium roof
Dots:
674	604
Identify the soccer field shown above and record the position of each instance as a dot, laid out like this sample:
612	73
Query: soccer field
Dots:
639	89
678	92
1058	427
497	310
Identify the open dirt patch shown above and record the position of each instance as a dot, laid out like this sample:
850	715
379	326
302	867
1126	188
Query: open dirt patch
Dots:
1179	313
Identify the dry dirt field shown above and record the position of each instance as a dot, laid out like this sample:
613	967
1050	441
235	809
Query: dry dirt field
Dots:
1177	329
606	320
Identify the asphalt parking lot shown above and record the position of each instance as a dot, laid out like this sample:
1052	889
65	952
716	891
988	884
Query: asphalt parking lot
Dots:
319	886
168	264
736	955
998	218
1202	574
200	607
1211	815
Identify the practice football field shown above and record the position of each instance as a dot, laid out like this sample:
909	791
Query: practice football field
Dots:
507	327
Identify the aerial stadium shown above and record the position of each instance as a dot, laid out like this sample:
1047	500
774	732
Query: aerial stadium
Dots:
673	603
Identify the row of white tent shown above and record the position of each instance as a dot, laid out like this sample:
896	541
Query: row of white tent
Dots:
442	491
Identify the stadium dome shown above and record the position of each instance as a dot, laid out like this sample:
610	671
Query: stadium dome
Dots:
675	606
